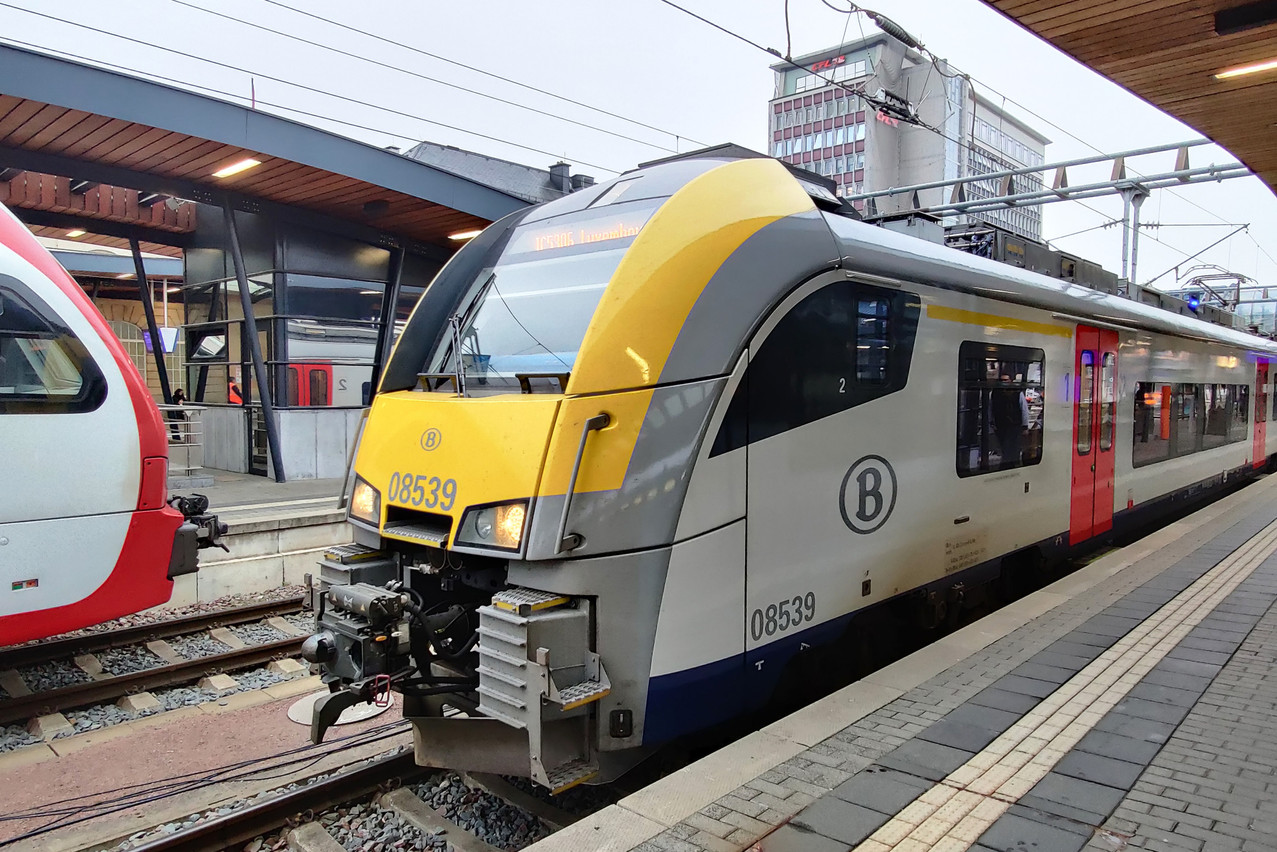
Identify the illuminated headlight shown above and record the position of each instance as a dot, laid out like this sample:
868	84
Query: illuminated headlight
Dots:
499	526
365	502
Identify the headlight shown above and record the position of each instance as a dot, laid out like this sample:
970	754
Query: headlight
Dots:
365	502
499	525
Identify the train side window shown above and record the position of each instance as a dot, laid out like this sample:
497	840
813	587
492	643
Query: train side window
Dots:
318	386
1000	407
44	368
293	397
1152	436
1239	430
1188	413
1085	402
1217	403
843	345
1108	399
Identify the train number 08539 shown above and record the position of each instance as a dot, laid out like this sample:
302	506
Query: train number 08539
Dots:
782	615
422	490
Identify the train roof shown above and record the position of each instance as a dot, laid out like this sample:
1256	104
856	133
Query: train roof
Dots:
879	251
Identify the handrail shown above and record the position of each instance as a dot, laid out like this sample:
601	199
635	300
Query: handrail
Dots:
566	541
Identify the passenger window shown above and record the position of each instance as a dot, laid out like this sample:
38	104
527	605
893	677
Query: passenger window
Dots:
1240	428
44	368
1153	421
1188	414
1085	402
1000	407
844	345
1108	400
1218	403
318	386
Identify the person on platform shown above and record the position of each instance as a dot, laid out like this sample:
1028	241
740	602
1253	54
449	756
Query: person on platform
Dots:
233	396
175	417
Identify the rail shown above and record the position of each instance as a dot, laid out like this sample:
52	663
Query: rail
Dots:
23	707
21	656
277	812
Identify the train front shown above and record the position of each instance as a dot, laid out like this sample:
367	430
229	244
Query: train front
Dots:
520	478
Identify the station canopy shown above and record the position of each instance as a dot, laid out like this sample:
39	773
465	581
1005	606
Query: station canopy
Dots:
120	157
1168	52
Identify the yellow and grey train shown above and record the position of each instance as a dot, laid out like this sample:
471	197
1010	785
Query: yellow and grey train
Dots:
641	447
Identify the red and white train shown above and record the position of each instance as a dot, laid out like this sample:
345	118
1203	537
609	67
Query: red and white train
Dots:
87	533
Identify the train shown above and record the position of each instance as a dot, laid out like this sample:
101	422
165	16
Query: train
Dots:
646	455
88	530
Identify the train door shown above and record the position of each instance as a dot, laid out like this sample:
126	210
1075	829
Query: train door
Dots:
1260	456
1094	433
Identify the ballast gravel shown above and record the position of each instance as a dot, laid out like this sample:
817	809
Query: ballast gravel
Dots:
193	646
15	736
52	675
372	828
257	634
129	659
490	818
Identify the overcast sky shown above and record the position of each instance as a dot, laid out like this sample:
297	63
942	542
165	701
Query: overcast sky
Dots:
683	81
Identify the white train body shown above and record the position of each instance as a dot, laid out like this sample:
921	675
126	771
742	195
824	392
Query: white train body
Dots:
744	424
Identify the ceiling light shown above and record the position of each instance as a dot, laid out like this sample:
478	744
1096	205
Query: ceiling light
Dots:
77	232
1247	69
236	168
465	235
125	275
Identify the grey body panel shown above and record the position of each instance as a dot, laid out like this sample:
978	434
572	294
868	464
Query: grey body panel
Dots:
873	250
644	511
628	589
743	292
657	182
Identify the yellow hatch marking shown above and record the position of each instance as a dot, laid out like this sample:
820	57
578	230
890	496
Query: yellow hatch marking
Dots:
516	607
993	320
595	697
666	269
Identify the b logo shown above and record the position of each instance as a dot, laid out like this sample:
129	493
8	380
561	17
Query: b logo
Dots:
431	439
872	483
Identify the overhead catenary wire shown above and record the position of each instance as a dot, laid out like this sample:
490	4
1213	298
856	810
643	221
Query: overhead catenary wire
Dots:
476	70
861	95
420	76
302	86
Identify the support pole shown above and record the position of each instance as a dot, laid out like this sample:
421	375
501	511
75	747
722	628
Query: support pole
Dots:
1126	237
1137	201
157	345
385	331
250	326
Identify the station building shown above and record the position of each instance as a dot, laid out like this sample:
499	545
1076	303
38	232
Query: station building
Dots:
850	113
240	255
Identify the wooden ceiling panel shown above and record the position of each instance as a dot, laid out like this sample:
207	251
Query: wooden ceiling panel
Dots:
1167	52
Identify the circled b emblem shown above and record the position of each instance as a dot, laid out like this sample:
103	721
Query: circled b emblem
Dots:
431	439
868	494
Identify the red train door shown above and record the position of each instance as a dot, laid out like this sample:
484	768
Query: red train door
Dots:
1094	433
1259	456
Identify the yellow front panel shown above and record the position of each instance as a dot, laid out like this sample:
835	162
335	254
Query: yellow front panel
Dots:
491	447
669	264
607	454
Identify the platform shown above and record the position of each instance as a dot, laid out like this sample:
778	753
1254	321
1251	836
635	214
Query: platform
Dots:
1129	705
277	534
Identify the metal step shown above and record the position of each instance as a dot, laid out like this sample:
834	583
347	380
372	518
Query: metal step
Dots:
568	775
527	601
579	694
344	554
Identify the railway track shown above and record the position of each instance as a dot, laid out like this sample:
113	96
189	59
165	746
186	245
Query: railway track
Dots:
287	809
114	687
21	656
104	689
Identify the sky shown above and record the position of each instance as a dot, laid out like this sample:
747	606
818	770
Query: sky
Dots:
670	83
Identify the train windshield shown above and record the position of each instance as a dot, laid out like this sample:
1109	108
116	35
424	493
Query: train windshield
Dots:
527	314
